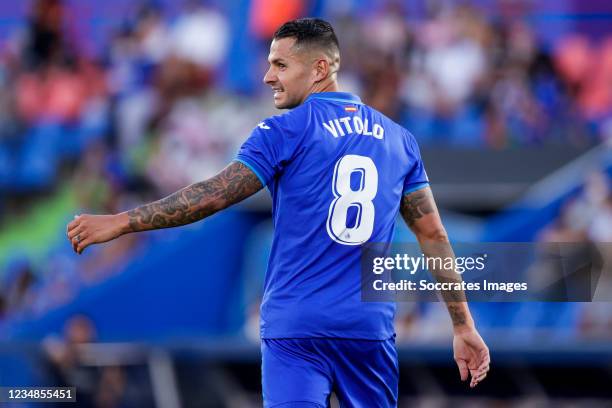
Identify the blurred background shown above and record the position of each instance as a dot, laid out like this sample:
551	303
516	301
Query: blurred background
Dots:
105	105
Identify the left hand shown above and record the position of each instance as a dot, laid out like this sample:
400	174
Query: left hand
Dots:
87	229
471	355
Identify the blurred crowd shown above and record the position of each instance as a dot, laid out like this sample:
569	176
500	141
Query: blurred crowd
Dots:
102	381
156	108
586	216
460	78
160	92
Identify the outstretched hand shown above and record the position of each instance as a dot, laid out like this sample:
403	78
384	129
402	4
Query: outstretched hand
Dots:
86	230
472	356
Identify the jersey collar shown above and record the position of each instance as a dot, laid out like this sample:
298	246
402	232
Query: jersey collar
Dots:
343	97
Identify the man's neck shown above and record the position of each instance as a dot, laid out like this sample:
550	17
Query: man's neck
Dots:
331	86
327	86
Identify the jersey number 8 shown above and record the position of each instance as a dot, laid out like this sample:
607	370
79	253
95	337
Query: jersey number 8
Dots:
345	198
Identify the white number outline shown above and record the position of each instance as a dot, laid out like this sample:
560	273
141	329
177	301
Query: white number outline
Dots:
358	204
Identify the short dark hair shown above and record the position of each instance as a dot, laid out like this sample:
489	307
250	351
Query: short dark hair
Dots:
310	32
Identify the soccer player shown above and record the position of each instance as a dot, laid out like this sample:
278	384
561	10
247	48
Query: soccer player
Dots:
338	172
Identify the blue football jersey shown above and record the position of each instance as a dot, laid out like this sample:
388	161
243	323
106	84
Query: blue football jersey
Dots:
336	169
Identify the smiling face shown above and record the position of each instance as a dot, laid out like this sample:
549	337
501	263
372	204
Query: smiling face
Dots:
292	74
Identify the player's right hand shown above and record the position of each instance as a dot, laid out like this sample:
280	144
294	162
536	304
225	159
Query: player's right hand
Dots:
471	355
87	229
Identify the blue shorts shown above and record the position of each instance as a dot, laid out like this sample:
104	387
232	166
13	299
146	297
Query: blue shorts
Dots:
303	372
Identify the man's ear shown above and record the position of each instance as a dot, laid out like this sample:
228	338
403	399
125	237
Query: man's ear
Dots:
321	69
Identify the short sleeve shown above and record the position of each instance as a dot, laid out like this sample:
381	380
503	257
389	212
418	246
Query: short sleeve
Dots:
264	151
416	178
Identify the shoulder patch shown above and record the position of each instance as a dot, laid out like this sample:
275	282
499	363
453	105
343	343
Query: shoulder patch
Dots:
262	125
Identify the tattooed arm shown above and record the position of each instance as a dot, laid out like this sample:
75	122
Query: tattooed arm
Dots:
420	213
190	204
232	185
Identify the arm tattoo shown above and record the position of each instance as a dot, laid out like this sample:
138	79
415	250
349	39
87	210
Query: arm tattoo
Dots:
457	314
199	200
413	207
416	204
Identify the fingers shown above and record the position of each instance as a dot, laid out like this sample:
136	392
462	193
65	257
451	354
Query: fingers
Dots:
75	231
73	224
480	373
485	361
477	378
78	240
85	242
463	369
